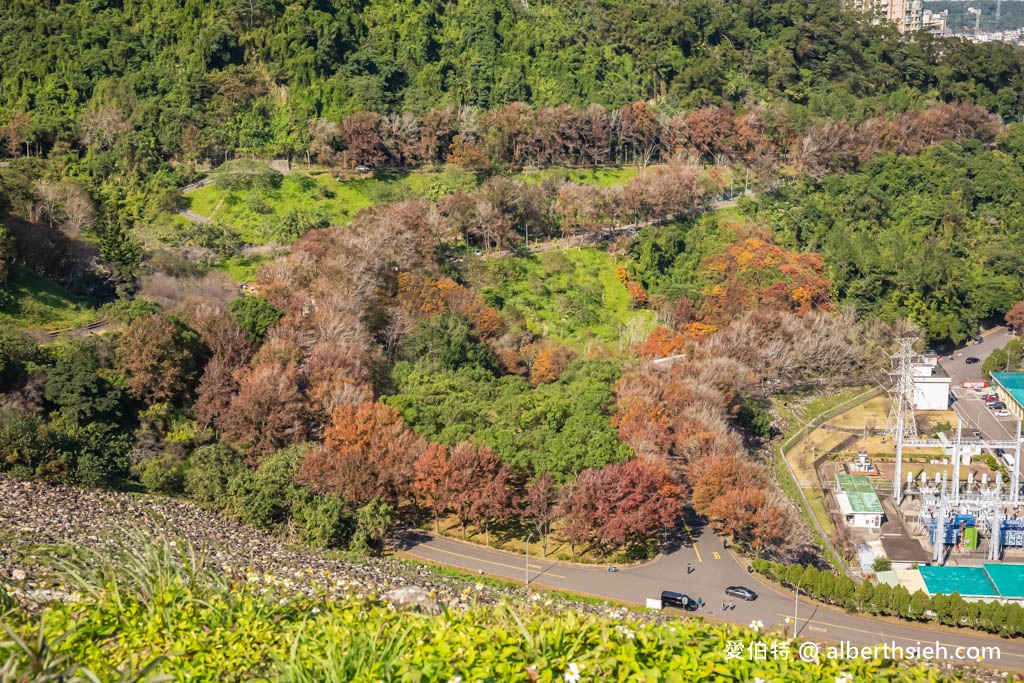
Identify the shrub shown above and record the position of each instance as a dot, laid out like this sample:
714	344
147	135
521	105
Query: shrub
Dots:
372	523
255	314
325	522
245	175
881	564
164	474
25	443
210	469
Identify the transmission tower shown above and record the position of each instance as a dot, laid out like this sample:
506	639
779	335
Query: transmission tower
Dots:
901	415
901	425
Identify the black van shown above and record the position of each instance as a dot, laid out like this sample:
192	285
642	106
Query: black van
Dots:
674	599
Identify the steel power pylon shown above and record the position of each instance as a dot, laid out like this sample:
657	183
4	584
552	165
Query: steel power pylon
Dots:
901	425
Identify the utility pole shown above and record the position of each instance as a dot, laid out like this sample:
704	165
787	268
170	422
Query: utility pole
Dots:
796	609
527	568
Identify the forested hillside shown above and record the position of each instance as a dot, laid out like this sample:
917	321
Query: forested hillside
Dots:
188	76
937	237
409	337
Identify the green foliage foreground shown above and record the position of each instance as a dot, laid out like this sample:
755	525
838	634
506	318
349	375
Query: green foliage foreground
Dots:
160	612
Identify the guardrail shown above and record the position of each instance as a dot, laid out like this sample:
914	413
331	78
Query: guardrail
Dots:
795	438
199	184
91	327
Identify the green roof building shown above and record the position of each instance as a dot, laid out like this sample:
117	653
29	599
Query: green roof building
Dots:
858	501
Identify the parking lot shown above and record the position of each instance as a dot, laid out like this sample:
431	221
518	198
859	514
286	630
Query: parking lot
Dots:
969	405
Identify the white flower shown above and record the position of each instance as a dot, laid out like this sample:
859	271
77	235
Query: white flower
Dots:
573	674
316	610
455	679
479	586
844	677
757	624
759	680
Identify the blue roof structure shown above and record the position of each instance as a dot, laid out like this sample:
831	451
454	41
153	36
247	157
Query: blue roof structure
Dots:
988	581
1012	383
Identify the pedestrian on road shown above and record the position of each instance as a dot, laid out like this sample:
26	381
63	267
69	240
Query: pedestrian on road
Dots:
732	605
723	544
723	605
689	567
700	603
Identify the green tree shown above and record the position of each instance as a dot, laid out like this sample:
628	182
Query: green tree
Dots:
255	314
881	564
326	523
26	446
209	472
164	474
78	385
917	606
447	342
372	523
881	599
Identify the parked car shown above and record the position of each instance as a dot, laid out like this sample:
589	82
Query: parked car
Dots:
988	398
971	360
978	340
1002	412
741	592
997	406
674	599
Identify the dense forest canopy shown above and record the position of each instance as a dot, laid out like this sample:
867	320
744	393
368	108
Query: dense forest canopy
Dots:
936	237
250	74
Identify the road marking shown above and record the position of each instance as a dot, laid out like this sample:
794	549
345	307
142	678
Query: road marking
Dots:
881	625
716	556
692	542
815	628
499	564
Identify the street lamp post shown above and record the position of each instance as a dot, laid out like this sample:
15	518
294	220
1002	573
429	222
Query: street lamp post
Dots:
527	567
796	609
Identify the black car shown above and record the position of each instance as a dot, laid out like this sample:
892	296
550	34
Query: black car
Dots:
971	360
674	599
997	405
741	592
978	340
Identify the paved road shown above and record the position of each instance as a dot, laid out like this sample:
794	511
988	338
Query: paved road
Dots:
714	569
969	406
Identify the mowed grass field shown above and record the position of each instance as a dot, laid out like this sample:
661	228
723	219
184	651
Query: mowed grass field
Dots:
34	301
572	296
252	211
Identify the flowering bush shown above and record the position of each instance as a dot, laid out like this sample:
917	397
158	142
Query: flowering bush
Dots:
234	625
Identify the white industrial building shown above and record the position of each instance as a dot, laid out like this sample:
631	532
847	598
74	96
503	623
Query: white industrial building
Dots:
857	500
931	384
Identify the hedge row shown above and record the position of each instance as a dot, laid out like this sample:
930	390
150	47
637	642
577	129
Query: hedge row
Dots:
951	610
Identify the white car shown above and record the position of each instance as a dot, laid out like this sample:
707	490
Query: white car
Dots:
1002	413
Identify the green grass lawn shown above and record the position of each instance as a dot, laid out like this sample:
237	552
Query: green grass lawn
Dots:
38	302
572	296
602	177
243	269
253	212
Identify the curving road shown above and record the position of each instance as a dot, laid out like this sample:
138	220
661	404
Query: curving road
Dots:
714	569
